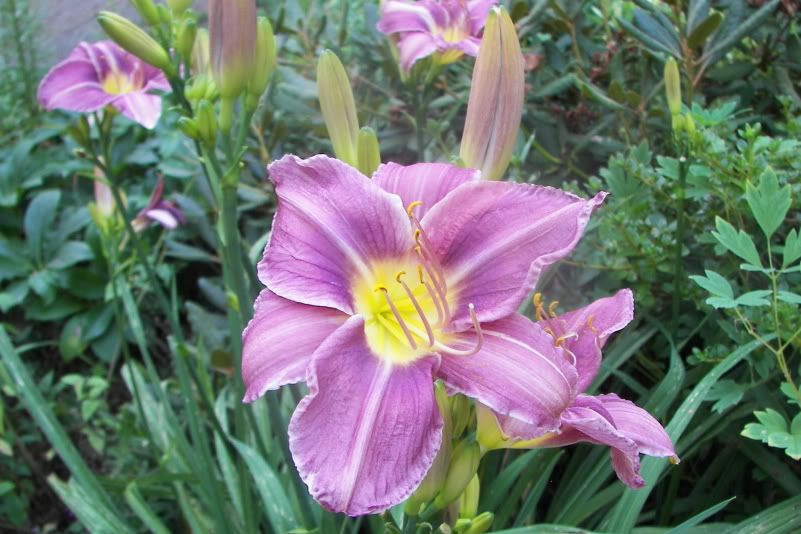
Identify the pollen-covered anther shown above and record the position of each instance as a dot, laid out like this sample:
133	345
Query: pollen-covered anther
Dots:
398	318
552	308
538	308
411	206
417	307
590	326
479	334
561	339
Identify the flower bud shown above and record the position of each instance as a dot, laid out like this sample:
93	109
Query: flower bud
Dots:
206	122
132	38
201	59
264	59
432	483
338	107
189	128
179	6
232	41
185	40
463	465
460	407
488	433
468	502
368	151
673	86
481	523
495	106
147	9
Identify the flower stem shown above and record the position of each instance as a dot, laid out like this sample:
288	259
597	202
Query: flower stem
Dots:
678	269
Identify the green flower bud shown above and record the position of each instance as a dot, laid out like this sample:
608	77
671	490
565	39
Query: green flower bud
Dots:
481	523
368	151
132	38
232	42
206	123
185	41
338	107
432	483
147	9
673	86
201	59
468	502
164	14
265	57
460	407
179	6
462	467
189	128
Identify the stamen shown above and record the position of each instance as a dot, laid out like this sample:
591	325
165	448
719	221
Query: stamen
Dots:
589	324
479	343
537	300
417	307
441	291
424	243
561	339
432	294
411	206
398	317
552	308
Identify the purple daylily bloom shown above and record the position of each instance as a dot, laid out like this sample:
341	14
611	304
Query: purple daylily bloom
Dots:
164	212
447	27
377	287
604	419
96	75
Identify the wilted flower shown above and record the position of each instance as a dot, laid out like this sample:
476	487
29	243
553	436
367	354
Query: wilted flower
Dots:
164	212
376	287
100	74
448	28
495	106
603	419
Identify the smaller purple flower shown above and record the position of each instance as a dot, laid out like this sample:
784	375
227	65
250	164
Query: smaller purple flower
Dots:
449	28
96	75
164	212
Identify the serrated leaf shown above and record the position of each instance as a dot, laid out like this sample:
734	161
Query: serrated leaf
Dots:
795	425
754	298
789	442
738	242
715	284
768	202
789	392
727	393
792	248
773	420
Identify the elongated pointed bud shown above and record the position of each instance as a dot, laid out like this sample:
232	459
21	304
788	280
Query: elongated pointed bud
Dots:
189	128
468	502
147	10
463	465
481	523
232	41
185	40
132	38
432	483
673	86
265	57
206	123
369	153
497	92
338	107
201	56
460	407
488	433
179	6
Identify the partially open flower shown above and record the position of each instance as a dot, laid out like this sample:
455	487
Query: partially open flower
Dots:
164	212
100	74
378	287
448	28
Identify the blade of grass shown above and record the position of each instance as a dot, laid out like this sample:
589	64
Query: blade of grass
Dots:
781	518
140	507
86	508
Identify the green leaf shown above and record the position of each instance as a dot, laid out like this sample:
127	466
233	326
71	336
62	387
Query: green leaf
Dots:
39	219
792	248
754	298
739	243
140	507
788	297
789	442
704	30
715	284
726	40
79	499
696	13
69	254
661	33
768	203
727	393
782	518
653	45
697	519
773	420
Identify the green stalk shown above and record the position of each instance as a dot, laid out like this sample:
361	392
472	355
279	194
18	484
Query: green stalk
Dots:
678	269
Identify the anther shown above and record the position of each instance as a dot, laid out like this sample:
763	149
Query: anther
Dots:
589	324
552	308
417	308
561	339
537	301
398	317
412	205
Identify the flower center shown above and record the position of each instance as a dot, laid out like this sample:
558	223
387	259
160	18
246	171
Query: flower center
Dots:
407	306
118	83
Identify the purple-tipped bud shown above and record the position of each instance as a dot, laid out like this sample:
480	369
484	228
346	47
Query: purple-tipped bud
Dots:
232	40
496	99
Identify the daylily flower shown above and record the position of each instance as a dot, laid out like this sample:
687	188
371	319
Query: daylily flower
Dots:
164	212
96	75
377	287
603	419
448	28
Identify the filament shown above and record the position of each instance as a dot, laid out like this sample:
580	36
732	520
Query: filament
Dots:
552	308
433	295
398	317
479	342
436	283
417	307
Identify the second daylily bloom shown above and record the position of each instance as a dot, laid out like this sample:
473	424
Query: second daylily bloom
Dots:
377	287
605	419
448	28
102	74
164	212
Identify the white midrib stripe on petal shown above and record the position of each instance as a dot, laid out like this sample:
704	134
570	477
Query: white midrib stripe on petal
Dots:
365	425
